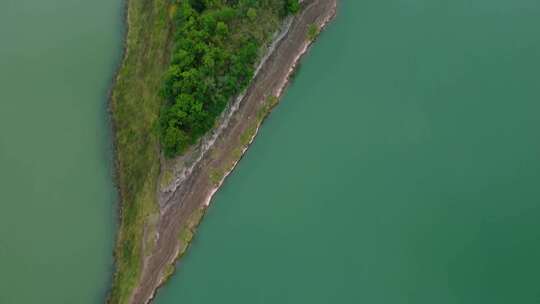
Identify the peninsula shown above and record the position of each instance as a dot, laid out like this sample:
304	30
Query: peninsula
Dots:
196	82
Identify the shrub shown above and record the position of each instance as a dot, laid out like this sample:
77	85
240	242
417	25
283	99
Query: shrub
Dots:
217	44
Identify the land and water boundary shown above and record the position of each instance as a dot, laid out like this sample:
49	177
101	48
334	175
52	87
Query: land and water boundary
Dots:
163	200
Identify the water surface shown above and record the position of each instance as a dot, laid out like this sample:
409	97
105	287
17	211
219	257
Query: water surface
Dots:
57	212
403	166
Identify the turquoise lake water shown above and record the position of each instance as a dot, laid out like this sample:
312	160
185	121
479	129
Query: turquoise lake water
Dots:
402	166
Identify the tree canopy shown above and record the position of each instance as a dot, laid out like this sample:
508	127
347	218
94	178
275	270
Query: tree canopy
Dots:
217	44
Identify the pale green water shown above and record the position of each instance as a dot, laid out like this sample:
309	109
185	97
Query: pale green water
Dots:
403	166
57	212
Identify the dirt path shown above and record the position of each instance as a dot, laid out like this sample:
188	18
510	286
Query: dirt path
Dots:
194	192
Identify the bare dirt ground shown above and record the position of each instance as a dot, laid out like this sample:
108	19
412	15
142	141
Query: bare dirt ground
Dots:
181	204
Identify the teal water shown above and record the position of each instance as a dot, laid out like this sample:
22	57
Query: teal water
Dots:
57	214
402	166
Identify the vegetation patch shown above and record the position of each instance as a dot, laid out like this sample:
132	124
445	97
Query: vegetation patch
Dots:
270	103
188	230
135	105
248	134
167	176
217	44
237	153
169	271
216	175
186	235
313	32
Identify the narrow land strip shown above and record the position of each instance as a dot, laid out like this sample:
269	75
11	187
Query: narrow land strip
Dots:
183	197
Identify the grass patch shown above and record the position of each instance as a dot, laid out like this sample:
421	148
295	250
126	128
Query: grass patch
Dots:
216	175
188	230
169	271
248	134
313	32
196	217
236	153
167	177
135	109
186	235
270	103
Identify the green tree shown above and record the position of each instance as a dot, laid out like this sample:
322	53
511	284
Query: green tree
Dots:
293	6
252	14
222	29
217	43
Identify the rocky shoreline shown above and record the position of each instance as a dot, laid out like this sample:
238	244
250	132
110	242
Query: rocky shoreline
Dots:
188	183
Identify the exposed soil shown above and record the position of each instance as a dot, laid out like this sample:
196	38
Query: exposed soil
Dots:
187	194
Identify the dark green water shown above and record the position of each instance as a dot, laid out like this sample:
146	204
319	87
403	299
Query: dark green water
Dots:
403	166
57	212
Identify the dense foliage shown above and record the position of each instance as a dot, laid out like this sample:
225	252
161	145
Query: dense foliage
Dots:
217	43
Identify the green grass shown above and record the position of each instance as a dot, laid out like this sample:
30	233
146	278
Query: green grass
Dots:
313	32
166	177
216	175
237	153
135	109
248	134
186	235
188	230
270	103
